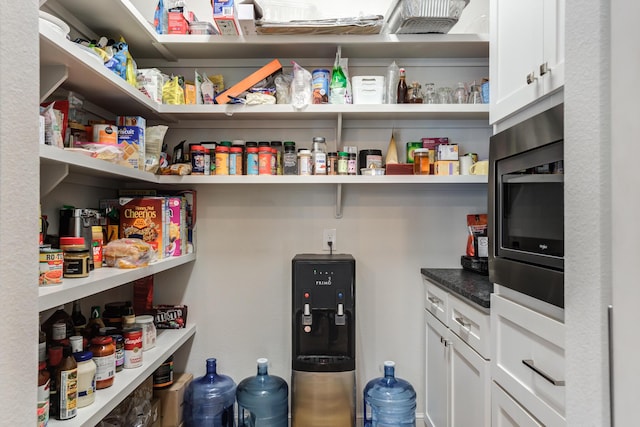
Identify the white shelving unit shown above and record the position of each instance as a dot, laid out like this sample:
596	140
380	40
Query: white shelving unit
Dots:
126	381
102	279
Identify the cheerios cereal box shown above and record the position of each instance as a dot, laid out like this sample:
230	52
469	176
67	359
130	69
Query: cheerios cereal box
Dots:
144	218
131	140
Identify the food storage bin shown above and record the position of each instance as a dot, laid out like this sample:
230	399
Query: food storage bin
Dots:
367	89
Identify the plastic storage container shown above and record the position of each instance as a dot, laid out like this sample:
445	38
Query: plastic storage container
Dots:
389	401
263	400
209	400
368	89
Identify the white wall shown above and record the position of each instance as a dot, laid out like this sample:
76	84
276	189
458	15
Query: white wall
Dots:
18	210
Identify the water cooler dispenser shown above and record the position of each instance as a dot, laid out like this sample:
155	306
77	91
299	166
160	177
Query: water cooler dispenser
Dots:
323	377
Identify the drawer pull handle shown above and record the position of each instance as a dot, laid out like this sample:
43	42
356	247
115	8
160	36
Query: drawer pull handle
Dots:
463	322
530	364
434	300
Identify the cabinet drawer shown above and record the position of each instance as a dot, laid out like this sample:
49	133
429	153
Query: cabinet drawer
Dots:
506	412
528	359
435	301
470	324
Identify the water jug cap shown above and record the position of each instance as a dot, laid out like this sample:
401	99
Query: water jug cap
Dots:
263	361
389	363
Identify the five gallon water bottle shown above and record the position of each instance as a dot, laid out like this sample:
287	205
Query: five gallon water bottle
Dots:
389	401
263	400
209	400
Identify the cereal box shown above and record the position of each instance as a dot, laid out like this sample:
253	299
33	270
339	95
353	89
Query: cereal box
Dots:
131	140
176	224
144	218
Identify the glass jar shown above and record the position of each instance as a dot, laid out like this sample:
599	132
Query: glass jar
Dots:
304	162
279	161
86	378
290	159
104	355
421	161
222	159
332	163
252	160
319	156
44	381
352	164
264	160
148	331
118	341
343	163
235	160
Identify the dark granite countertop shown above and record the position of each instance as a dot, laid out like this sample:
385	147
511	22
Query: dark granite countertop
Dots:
471	286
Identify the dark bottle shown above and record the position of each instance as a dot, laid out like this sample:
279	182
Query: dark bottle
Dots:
402	87
67	386
95	323
79	321
58	326
55	357
263	400
209	400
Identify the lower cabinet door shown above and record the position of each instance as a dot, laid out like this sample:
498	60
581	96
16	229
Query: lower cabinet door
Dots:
506	412
437	373
470	386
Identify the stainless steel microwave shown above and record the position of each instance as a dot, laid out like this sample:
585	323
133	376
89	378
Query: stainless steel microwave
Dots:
526	207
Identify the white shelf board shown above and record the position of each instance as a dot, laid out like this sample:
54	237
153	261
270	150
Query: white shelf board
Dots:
323	179
85	165
145	43
88	76
102	279
327	111
126	381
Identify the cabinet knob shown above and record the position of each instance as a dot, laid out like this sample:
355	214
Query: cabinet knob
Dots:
544	68
531	77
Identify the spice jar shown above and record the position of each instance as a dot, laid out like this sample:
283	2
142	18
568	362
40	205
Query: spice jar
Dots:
332	163
104	355
304	162
252	160
290	159
264	160
86	378
421	161
235	160
77	257
148	331
197	160
343	163
222	160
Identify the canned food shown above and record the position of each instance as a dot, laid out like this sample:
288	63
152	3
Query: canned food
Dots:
320	81
51	266
132	347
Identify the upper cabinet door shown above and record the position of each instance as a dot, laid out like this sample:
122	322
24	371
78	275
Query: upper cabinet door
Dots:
526	53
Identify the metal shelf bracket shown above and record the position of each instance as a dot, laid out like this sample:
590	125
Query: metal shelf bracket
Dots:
338	201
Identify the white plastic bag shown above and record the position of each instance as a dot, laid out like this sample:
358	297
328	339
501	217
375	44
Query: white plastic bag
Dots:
301	87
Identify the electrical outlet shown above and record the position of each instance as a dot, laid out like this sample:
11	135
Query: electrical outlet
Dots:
329	235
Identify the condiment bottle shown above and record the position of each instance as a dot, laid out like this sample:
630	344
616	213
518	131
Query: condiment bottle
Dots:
79	321
304	162
104	356
55	357
402	87
58	326
86	378
95	323
67	386
279	162
44	384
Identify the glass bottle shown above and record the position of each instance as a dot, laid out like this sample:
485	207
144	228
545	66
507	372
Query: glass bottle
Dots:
415	97
319	156
209	400
58	326
44	385
338	84
79	321
460	94
55	357
263	400
129	317
402	87
94	324
67	385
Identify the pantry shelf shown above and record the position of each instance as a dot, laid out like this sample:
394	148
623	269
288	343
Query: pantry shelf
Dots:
324	179
102	279
126	381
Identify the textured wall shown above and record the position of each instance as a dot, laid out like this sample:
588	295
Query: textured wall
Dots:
18	209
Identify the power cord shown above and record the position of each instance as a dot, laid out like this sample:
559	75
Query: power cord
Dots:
330	243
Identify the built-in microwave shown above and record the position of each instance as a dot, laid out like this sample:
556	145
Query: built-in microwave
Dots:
526	207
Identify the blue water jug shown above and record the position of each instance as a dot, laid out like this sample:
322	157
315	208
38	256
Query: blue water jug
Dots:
263	400
209	400
389	401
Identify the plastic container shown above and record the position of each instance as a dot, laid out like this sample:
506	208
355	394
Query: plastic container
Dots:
368	89
263	400
86	378
209	400
389	401
148	331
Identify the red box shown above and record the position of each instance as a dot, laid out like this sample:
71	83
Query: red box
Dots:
399	169
177	24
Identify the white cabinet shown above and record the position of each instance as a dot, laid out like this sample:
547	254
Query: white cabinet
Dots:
526	53
528	359
506	412
456	375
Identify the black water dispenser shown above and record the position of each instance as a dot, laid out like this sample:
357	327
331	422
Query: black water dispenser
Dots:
323	389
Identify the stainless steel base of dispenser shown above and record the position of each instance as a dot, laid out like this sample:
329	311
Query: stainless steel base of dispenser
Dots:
323	399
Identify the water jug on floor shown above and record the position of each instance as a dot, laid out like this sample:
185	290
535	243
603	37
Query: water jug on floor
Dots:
263	400
209	400
389	401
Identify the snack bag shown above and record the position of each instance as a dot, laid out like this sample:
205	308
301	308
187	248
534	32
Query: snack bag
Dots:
477	241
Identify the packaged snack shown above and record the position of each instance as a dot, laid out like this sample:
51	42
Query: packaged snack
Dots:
170	316
477	241
128	253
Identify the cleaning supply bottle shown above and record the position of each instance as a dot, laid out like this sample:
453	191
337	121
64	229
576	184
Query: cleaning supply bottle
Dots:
338	84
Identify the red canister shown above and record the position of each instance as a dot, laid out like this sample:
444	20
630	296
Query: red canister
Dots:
264	160
132	347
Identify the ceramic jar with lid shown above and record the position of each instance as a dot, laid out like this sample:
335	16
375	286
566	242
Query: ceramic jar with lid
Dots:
148	331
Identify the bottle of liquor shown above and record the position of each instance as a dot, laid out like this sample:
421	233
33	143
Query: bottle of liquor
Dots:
94	324
402	87
58	326
42	345
79	321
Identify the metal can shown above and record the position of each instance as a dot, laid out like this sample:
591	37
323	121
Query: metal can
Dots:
320	82
51	266
132	347
163	376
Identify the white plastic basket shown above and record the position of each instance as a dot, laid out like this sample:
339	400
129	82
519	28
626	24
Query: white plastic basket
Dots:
423	16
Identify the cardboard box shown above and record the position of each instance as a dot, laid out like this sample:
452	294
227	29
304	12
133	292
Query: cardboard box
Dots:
156	412
447	152
131	139
176	227
224	16
399	169
177	24
446	167
248	82
144	218
172	399
246	19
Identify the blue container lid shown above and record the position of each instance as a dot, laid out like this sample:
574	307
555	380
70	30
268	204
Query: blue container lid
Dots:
82	356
